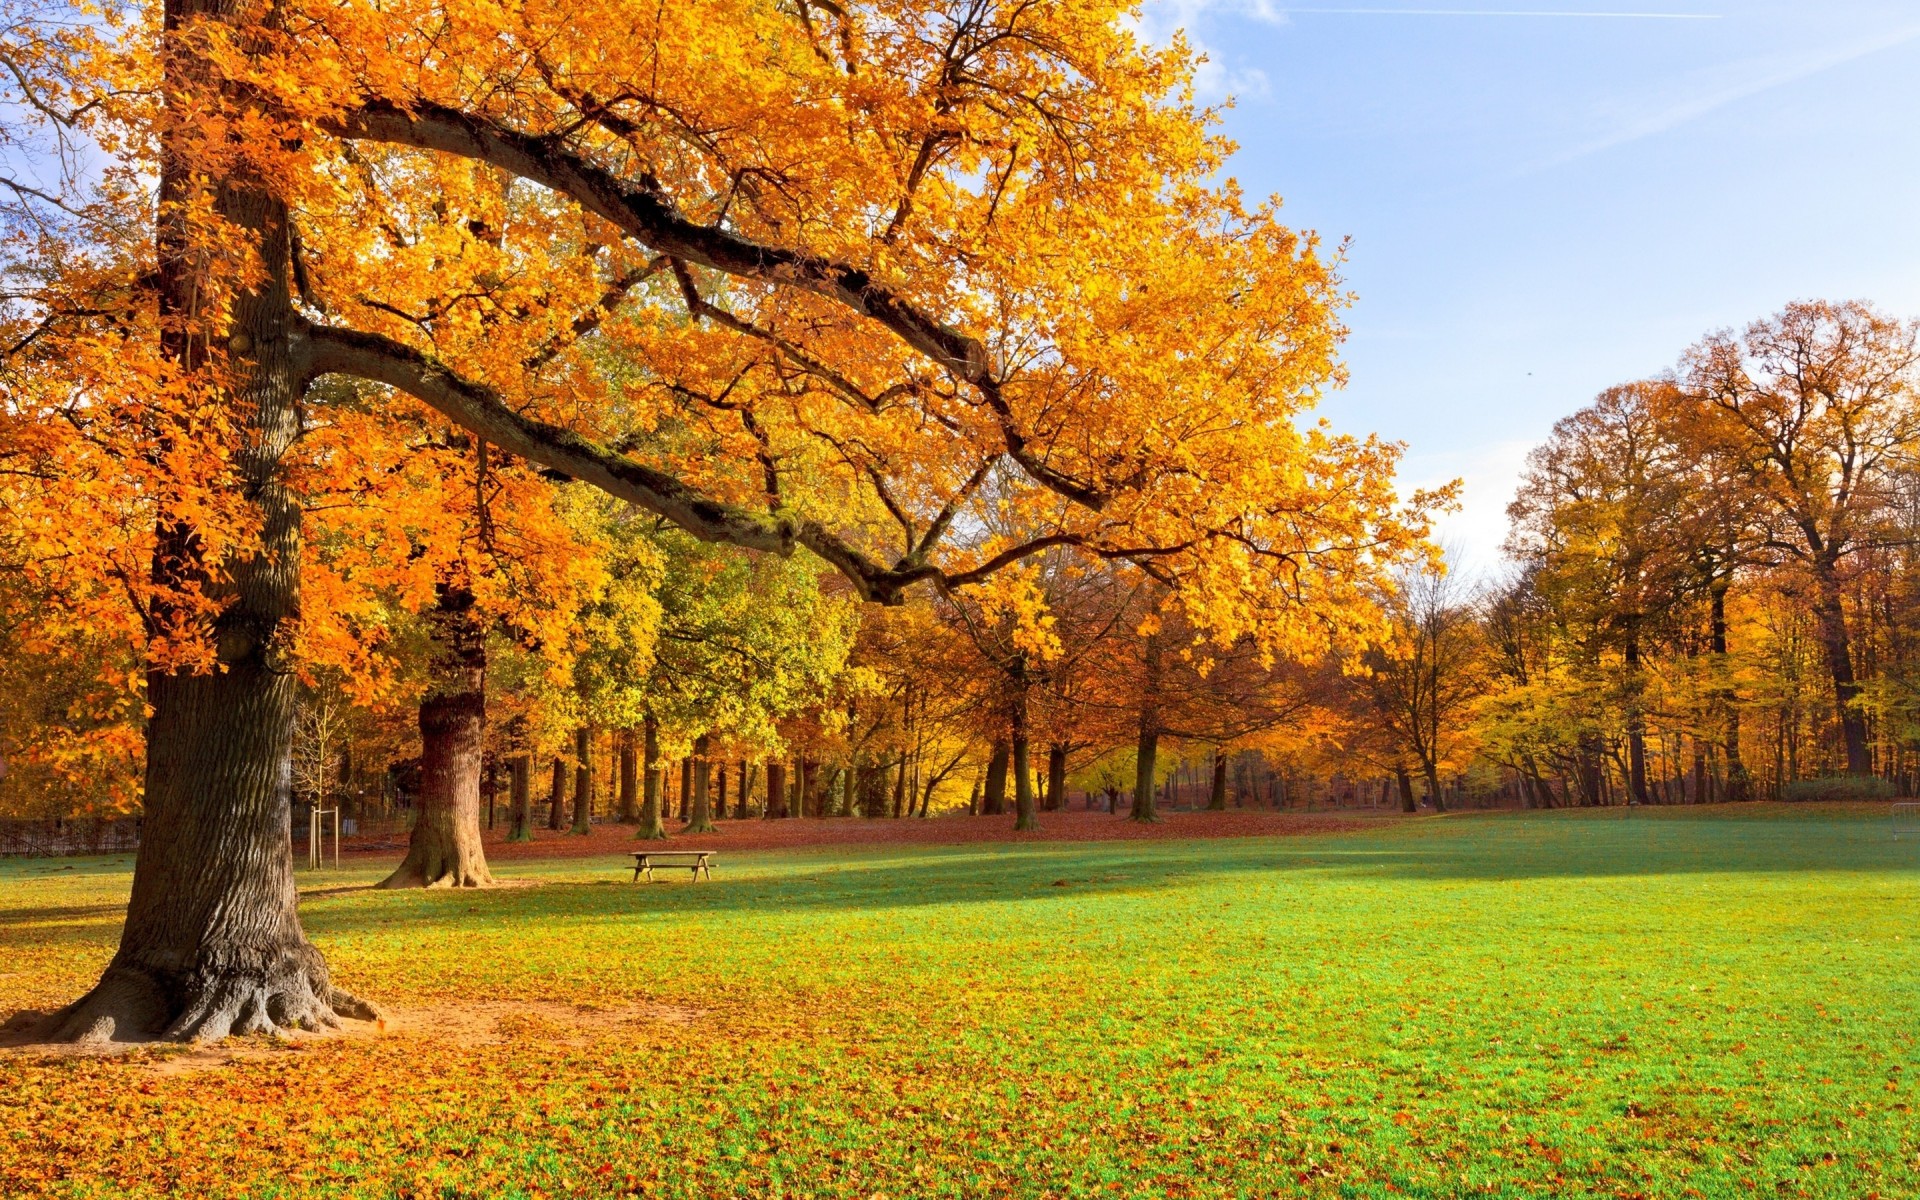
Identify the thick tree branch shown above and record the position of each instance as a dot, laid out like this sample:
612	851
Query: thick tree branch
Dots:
480	410
645	215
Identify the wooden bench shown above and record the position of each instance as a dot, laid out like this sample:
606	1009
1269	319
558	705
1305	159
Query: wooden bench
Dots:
644	861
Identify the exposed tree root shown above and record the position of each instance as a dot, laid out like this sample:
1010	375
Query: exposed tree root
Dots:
137	1004
432	863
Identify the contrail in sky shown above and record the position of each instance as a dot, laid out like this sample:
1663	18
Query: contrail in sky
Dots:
1500	12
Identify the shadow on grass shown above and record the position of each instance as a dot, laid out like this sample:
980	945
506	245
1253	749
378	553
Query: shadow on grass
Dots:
1512	847
862	878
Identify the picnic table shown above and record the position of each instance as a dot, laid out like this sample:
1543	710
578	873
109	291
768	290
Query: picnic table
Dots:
697	861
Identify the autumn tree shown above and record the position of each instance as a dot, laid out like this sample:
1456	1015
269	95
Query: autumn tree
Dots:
947	237
1816	404
1599	519
1424	679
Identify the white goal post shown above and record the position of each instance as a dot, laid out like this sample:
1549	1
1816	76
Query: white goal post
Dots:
1906	819
317	836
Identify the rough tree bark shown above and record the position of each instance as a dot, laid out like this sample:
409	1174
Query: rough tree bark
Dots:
810	802
776	791
993	800
1056	777
1431	770
445	848
1217	798
519	798
557	797
629	779
1024	816
652	827
212	943
1147	748
1832	616
1739	782
1405	781
700	818
582	782
1636	722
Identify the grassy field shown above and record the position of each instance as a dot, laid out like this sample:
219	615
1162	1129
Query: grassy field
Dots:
1686	1004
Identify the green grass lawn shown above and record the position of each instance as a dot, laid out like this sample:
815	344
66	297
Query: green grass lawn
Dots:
1542	1005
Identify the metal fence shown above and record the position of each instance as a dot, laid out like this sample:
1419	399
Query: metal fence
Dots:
53	839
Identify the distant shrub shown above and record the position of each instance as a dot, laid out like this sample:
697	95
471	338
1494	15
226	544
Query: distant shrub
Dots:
1840	787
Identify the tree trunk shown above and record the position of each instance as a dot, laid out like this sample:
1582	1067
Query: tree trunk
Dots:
900	789
700	820
1217	798
519	802
652	828
1739	782
1587	770
993	801
1431	770
1147	748
212	943
1846	691
1056	777
685	812
720	790
582	782
1407	803
1636	723
445	848
557	797
629	779
493	783
810	802
776	790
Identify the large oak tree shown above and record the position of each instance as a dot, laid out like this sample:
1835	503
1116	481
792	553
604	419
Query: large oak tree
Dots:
785	274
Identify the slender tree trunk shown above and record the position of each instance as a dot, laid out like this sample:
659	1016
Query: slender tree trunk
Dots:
652	828
1739	785
776	790
1636	723
493	783
1057	777
212	944
1431	770
685	813
1832	617
1587	763
519	799
720	790
629	778
700	820
993	801
582	782
1217	798
1407	803
900	788
557	797
444	848
1147	747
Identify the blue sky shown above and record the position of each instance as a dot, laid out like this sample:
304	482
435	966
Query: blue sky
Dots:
1544	205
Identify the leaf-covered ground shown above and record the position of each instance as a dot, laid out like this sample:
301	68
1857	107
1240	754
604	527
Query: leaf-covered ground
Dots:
1571	1004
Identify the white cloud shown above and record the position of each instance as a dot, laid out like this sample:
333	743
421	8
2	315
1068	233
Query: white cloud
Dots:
1214	80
